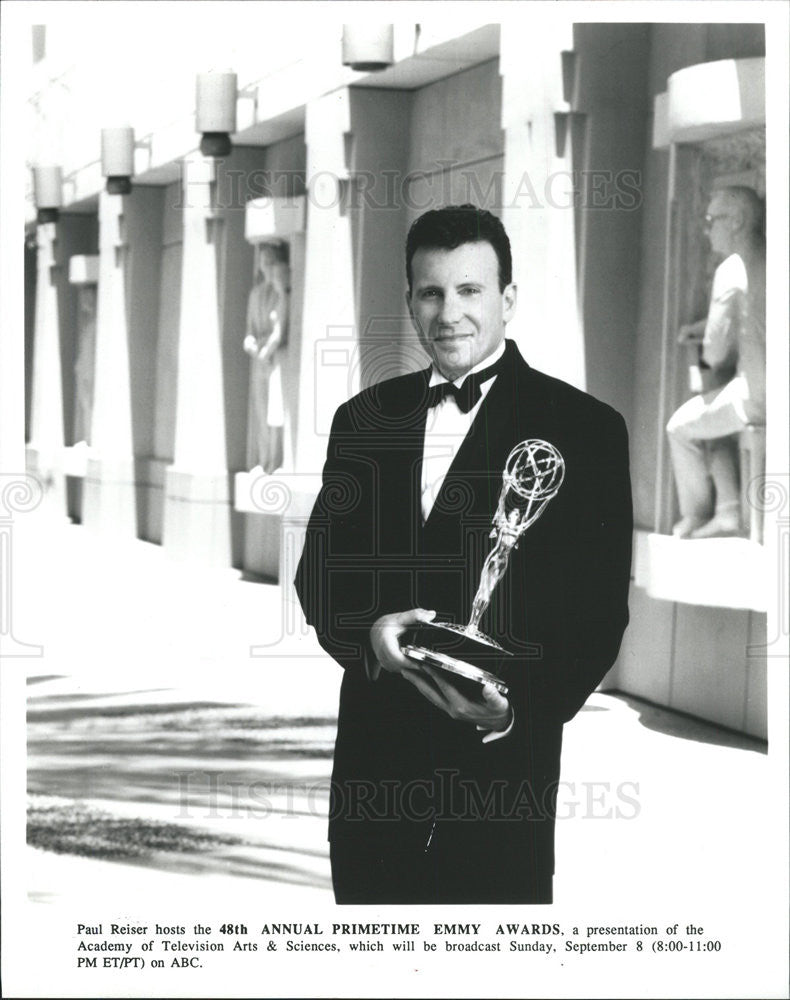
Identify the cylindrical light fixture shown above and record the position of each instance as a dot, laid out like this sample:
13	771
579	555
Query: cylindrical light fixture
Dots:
117	158
368	48
215	116
48	192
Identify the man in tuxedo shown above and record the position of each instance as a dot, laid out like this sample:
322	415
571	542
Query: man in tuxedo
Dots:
444	792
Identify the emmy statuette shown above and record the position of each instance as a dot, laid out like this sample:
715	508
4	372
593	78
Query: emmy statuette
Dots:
533	474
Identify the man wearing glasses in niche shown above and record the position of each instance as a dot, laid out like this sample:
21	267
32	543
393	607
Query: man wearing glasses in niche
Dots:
442	794
732	343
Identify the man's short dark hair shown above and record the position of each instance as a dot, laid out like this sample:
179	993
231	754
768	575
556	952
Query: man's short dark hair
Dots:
450	227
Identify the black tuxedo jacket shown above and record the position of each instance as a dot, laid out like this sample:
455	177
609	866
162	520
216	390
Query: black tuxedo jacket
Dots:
404	772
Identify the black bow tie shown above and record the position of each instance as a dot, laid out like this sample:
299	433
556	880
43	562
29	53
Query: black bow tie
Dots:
468	393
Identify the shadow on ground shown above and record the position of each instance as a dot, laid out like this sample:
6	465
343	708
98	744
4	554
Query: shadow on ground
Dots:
687	727
165	785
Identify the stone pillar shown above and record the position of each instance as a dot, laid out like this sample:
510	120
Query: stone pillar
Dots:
130	250
538	198
329	364
45	448
109	489
84	279
198	495
380	146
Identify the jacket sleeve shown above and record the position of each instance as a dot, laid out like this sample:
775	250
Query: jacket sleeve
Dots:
333	590
597	577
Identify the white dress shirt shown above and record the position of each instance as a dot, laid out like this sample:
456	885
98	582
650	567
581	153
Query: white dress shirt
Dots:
445	429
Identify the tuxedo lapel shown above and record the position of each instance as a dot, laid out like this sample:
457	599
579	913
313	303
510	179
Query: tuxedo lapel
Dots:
398	421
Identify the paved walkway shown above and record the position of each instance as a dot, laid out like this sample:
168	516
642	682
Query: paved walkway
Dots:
147	711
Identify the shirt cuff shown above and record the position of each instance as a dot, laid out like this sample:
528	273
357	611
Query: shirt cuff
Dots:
497	734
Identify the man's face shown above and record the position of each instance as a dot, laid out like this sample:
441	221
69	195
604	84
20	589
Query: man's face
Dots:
456	306
719	223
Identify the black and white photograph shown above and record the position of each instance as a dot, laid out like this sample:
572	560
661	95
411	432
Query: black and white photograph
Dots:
394	499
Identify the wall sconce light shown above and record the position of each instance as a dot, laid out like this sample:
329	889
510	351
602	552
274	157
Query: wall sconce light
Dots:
368	48
215	116
117	158
569	74
48	193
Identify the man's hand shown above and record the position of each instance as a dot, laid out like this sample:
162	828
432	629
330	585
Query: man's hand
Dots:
387	630
490	711
692	333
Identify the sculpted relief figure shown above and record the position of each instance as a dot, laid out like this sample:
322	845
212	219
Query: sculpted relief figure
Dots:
265	337
732	341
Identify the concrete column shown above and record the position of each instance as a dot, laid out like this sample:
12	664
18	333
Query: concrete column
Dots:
45	448
538	211
328	365
198	495
380	145
84	278
130	245
109	489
